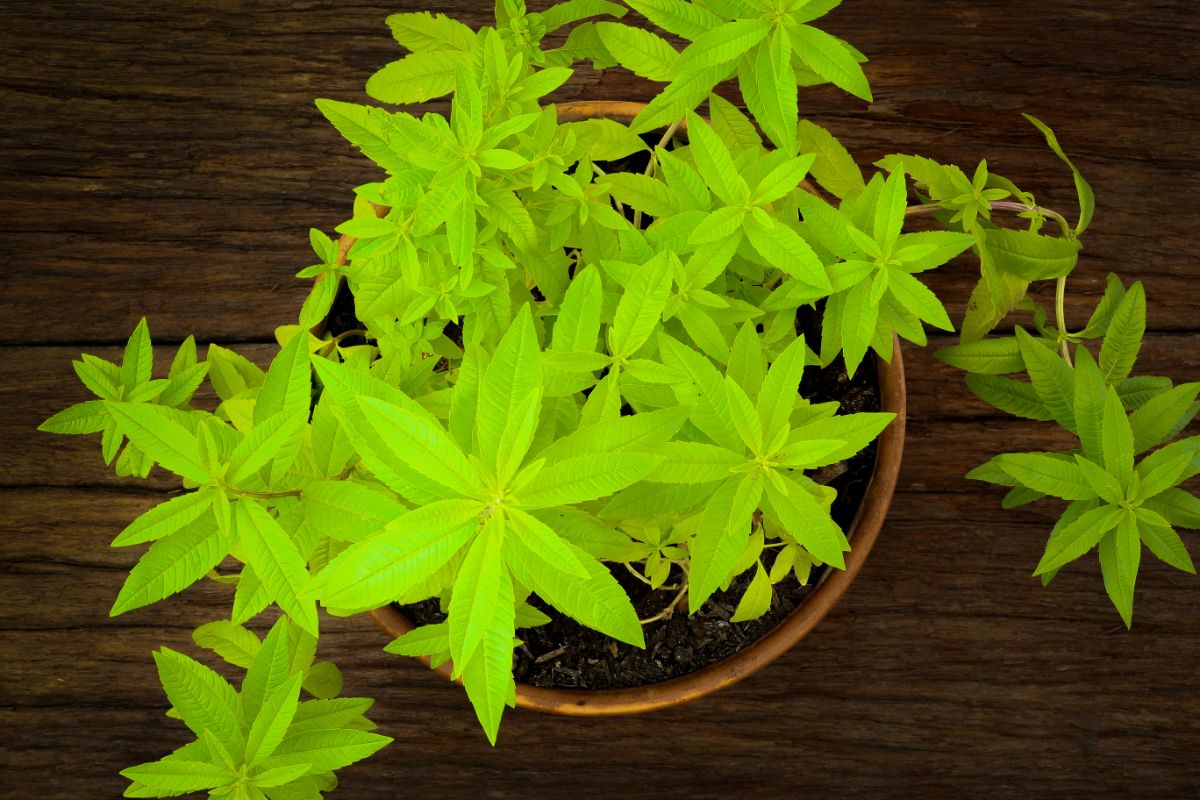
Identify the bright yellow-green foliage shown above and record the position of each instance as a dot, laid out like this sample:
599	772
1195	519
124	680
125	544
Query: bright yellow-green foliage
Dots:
569	364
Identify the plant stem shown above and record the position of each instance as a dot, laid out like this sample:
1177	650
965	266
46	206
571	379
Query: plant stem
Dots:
638	575
653	163
670	609
1060	317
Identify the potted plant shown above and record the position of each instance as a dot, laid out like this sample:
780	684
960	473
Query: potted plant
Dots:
577	379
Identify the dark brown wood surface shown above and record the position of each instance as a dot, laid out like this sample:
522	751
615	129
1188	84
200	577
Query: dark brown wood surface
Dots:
166	158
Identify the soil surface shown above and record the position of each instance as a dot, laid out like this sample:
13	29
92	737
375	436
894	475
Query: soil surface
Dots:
565	654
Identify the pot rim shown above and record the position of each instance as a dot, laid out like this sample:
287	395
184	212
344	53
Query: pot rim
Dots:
864	531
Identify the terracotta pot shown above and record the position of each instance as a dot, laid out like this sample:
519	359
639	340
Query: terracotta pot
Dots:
794	627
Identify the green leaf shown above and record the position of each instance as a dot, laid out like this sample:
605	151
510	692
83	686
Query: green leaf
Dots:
1077	538
1010	396
719	227
87	417
377	570
856	430
1051	378
1177	507
918	299
1120	553
1090	394
271	778
165	519
834	168
201	698
416	78
995	356
858	325
287	387
642	193
230	373
423	446
1161	472
641	307
783	248
1124	338
1166	545
482	594
1030	255
368	129
1098	323
277	437
544	541
889	211
583	478
1160	417
422	31
513	374
641	52
1116	439
230	641
597	601
325	751
1087	199
1103	484
714	161
269	727
1048	475
632	432
757	599
678	17
250	597
721	45
277	562
782	179
681	96
323	715
270	669
182	385
732	126
154	430
172	564
177	776
745	418
1136	392
693	462
101	377
777	398
808	523
139	357
564	13
806	453
488	676
721	536
347	511
830	58
768	85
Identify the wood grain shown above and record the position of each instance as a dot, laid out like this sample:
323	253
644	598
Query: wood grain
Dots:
167	159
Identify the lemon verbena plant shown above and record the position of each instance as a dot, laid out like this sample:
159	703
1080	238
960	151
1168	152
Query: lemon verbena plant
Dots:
562	362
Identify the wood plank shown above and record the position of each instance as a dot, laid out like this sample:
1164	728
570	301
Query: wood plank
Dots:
203	161
918	702
167	159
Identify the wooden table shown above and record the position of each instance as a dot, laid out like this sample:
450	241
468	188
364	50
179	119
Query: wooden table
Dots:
166	159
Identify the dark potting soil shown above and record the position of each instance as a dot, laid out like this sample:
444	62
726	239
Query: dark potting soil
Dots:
565	654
